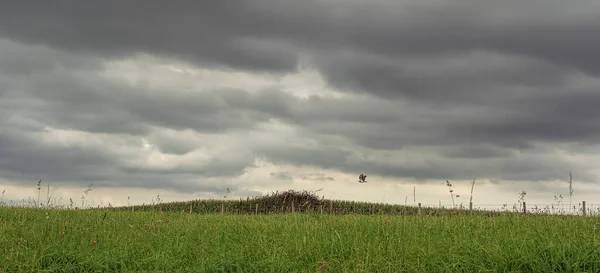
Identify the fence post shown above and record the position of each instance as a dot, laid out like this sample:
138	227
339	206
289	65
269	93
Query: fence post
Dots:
191	208
470	206
293	210
524	208
331	207
222	208
256	209
583	208
419	211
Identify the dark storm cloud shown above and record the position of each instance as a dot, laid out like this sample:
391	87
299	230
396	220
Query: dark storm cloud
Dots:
535	165
482	151
168	146
572	116
220	166
268	35
469	77
206	33
18	60
460	51
408	128
56	90
26	157
446	83
84	101
555	115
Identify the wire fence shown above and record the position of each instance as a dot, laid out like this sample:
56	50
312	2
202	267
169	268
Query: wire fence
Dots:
342	208
345	208
581	208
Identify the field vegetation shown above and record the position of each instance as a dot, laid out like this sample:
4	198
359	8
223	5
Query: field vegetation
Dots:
166	237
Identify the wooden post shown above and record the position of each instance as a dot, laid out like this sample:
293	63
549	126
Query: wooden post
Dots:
191	208
583	208
222	208
330	207
524	208
256	209
419	211
321	208
470	206
293	210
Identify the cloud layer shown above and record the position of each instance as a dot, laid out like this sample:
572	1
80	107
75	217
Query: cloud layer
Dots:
192	97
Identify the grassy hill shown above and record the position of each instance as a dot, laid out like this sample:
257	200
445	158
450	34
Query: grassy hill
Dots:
297	202
47	240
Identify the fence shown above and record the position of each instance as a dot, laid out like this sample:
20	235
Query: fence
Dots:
363	208
582	208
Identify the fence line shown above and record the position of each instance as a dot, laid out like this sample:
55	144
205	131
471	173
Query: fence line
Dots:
337	207
581	208
334	207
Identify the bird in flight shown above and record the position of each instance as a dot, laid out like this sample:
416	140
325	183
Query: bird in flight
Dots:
362	178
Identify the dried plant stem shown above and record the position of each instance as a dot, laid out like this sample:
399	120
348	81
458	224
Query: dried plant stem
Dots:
39	188
570	188
451	192
472	185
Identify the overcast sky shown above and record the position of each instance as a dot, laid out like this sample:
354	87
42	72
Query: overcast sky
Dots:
184	99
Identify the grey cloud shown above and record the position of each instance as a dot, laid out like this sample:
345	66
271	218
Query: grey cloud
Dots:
481	81
25	157
572	116
73	99
495	64
19	60
262	34
551	115
174	147
220	166
317	177
305	156
187	30
285	175
471	77
341	126
482	151
83	101
281	175
424	164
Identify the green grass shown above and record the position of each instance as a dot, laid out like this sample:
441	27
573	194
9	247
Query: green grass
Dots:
32	240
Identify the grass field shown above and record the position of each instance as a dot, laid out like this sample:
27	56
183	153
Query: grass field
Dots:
38	240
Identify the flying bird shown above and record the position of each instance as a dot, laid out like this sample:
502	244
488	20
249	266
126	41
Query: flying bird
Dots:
362	178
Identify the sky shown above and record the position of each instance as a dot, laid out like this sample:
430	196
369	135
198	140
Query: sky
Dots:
184	100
